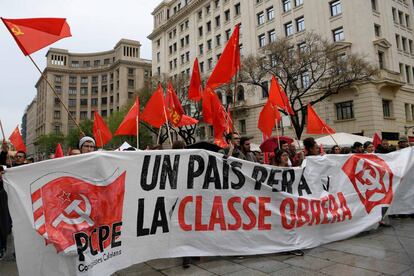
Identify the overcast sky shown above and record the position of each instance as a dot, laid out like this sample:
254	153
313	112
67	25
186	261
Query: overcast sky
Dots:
96	25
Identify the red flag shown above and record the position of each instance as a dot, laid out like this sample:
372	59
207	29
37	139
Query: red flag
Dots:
229	62
58	151
221	142
154	111
69	205
315	125
101	132
278	97
173	106
195	89
376	140
267	119
206	106
220	123
187	121
33	34
130	122
17	140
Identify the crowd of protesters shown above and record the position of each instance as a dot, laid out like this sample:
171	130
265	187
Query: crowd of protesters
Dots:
284	155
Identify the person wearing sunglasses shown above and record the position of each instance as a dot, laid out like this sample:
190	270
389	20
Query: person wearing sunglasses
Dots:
19	158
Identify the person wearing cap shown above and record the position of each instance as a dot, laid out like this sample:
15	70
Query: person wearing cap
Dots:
86	144
403	143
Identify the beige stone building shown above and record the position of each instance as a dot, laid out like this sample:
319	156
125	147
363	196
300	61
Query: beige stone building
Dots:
103	81
28	128
380	30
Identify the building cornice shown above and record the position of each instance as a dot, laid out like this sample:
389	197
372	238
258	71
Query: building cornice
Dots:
175	18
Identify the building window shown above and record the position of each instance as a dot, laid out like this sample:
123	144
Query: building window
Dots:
305	80
83	115
104	113
84	90
104	100
386	108
338	34
209	45
401	17
72	91
200	31
84	102
57	129
298	3
242	126
228	34
208	26
227	15
94	89
397	41
210	63
75	64
72	102
262	40
374	4
381	60
94	101
408	74
240	93
84	80
237	9
407	112
58	78
394	15
404	43
218	40
336	8
56	114
260	18
270	13
265	89
344	110
272	36
300	24
72	80
217	21
289	29
377	30
96	63
287	5
201	49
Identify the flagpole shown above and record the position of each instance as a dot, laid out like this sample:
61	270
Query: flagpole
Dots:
159	135
100	136
331	135
2	131
277	134
4	139
56	94
234	101
137	121
168	127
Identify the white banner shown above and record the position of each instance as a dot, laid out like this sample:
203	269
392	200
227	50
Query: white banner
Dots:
97	213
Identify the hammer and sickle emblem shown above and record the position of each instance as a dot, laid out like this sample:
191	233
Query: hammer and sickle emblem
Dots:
84	216
16	30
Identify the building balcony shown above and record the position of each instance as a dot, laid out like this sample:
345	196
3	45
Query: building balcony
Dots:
391	77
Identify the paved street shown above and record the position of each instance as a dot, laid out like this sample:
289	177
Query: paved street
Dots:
386	251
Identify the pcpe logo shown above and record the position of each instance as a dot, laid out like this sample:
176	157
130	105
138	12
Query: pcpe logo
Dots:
75	213
372	179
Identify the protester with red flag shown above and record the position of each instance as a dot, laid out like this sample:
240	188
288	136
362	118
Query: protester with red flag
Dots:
17	141
279	98
228	63
101	132
315	124
58	151
33	34
154	112
206	106
173	106
196	87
